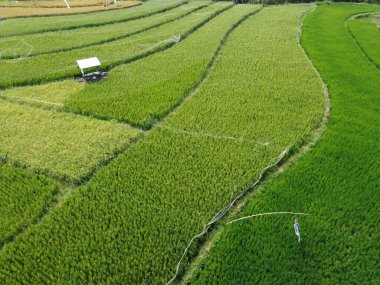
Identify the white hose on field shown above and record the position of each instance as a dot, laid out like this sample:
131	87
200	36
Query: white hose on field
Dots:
266	214
22	49
32	99
223	211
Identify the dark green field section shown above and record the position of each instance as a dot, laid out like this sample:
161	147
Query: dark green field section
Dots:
144	91
63	40
31	25
131	223
367	35
337	183
23	198
63	65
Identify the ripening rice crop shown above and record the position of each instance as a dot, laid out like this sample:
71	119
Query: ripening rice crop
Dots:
62	65
132	221
50	96
15	12
144	91
23	197
64	40
62	145
54	3
24	26
337	183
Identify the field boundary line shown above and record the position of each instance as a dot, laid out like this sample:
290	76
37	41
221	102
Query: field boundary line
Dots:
65	192
81	13
65	187
58	77
21	230
206	73
187	97
91	25
114	38
219	215
55	6
66	179
300	149
363	52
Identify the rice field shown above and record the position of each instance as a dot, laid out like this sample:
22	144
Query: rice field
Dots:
336	183
208	112
13	11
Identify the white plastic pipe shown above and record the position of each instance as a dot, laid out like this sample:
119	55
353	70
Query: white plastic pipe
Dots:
67	4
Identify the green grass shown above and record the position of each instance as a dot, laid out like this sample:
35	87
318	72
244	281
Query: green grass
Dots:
132	221
337	183
24	26
62	65
144	91
50	42
23	198
367	35
50	95
65	146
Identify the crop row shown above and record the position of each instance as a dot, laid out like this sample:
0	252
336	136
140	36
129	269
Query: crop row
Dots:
337	183
50	42
23	197
60	65
21	12
54	3
62	145
367	35
280	79
13	27
132	221
144	91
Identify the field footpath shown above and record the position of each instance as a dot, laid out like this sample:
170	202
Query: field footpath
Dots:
353	17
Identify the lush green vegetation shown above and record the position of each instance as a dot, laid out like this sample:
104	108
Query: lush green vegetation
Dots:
13	27
23	197
278	75
18	46
366	31
62	145
144	91
132	221
337	183
50	95
62	65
